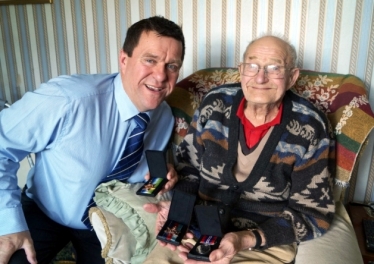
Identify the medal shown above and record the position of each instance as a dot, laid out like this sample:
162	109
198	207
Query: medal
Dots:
203	249
205	244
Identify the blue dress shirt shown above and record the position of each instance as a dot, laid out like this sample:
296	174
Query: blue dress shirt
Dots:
77	126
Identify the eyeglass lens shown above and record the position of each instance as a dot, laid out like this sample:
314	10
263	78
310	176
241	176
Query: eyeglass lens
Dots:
271	71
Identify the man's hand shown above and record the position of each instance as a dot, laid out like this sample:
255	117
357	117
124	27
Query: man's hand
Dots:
162	211
172	177
229	246
13	242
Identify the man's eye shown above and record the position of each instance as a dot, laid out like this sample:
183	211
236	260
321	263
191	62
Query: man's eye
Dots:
273	68
173	67
252	66
150	61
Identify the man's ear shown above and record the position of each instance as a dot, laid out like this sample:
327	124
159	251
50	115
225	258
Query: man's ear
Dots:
122	58
294	74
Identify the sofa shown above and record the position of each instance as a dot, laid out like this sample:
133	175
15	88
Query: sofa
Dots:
344	100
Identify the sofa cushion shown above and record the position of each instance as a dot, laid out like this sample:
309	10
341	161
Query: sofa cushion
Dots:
338	245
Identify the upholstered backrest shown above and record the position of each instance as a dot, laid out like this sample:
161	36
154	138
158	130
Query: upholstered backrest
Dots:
342	97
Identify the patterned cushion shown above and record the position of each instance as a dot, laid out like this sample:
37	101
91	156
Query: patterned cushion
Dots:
342	97
190	91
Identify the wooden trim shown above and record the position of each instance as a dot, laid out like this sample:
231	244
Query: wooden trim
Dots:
24	2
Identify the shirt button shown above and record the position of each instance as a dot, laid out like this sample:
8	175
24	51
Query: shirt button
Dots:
235	187
221	211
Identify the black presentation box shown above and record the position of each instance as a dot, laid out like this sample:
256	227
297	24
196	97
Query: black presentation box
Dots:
211	220
158	170
179	218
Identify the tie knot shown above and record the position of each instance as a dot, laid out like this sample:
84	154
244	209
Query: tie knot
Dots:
142	120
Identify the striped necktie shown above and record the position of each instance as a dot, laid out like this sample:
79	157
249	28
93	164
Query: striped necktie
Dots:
129	159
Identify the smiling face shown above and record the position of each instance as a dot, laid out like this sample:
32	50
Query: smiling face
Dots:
259	89
150	74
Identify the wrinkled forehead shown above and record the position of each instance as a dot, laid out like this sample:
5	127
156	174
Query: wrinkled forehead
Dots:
269	49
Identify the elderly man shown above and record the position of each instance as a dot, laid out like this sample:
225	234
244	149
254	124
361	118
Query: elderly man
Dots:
79	128
263	151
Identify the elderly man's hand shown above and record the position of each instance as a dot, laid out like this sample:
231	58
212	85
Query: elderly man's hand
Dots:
162	211
229	246
162	208
172	177
11	243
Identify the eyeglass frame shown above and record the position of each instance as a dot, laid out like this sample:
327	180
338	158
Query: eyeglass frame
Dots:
266	73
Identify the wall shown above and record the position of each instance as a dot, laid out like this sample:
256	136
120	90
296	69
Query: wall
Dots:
84	36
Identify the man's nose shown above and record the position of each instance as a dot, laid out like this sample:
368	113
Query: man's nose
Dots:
261	76
159	73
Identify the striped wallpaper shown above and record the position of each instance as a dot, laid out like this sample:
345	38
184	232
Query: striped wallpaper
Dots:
42	41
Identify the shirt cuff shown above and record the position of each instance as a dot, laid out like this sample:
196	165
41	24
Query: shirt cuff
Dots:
16	223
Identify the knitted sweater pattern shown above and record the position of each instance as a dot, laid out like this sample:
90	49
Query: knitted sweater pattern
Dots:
288	193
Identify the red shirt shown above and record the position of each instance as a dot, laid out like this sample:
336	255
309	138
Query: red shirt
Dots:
253	134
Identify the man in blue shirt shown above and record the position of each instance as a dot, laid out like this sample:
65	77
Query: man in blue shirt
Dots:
78	126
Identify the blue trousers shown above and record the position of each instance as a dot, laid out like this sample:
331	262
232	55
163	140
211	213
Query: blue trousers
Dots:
50	237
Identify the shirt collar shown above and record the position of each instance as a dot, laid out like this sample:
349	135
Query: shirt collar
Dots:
125	106
253	134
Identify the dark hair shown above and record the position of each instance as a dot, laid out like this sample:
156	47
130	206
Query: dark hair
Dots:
159	24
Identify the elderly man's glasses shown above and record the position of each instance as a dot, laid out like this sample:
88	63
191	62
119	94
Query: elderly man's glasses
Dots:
271	71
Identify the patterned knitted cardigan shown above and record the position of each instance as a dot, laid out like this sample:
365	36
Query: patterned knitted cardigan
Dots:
288	194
